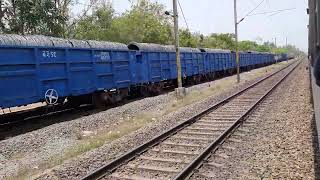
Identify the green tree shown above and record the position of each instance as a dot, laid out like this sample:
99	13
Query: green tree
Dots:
248	46
264	48
187	39
219	41
145	22
96	26
294	51
45	17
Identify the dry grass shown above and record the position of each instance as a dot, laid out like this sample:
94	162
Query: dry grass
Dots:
198	95
24	173
88	143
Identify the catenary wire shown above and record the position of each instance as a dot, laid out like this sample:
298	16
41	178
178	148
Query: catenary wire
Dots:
185	20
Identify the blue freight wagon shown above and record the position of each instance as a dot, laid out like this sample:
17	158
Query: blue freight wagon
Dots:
271	58
156	64
242	59
252	57
218	60
283	57
39	68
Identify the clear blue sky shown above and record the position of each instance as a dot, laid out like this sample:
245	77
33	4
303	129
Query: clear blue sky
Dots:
216	16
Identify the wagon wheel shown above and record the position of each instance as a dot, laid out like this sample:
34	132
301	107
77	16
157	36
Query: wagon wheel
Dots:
101	100
144	91
51	97
73	102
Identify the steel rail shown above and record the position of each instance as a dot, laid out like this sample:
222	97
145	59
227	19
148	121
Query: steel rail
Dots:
12	128
116	163
198	161
25	118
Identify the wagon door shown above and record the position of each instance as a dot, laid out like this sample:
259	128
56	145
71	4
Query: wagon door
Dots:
121	68
81	72
165	65
141	68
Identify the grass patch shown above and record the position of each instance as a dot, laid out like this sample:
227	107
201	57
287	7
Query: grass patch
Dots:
23	174
87	144
198	95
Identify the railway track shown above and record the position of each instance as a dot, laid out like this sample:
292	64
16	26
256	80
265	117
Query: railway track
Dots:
178	152
22	122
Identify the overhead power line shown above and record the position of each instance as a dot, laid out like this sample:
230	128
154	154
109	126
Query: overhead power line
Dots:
185	20
275	12
253	9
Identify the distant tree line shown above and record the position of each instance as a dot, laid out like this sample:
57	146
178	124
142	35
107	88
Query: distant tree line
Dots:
144	22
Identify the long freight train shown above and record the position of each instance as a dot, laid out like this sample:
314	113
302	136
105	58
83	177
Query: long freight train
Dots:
39	68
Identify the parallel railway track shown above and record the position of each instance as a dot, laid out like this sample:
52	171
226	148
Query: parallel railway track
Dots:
22	122
178	152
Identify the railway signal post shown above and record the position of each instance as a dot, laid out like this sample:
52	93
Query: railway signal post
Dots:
180	91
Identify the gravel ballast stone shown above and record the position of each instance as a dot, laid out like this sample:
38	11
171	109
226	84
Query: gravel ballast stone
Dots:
278	141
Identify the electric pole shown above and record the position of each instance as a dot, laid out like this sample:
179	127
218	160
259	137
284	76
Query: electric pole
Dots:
180	90
236	38
286	41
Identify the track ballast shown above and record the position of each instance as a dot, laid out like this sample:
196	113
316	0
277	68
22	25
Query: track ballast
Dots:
177	153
